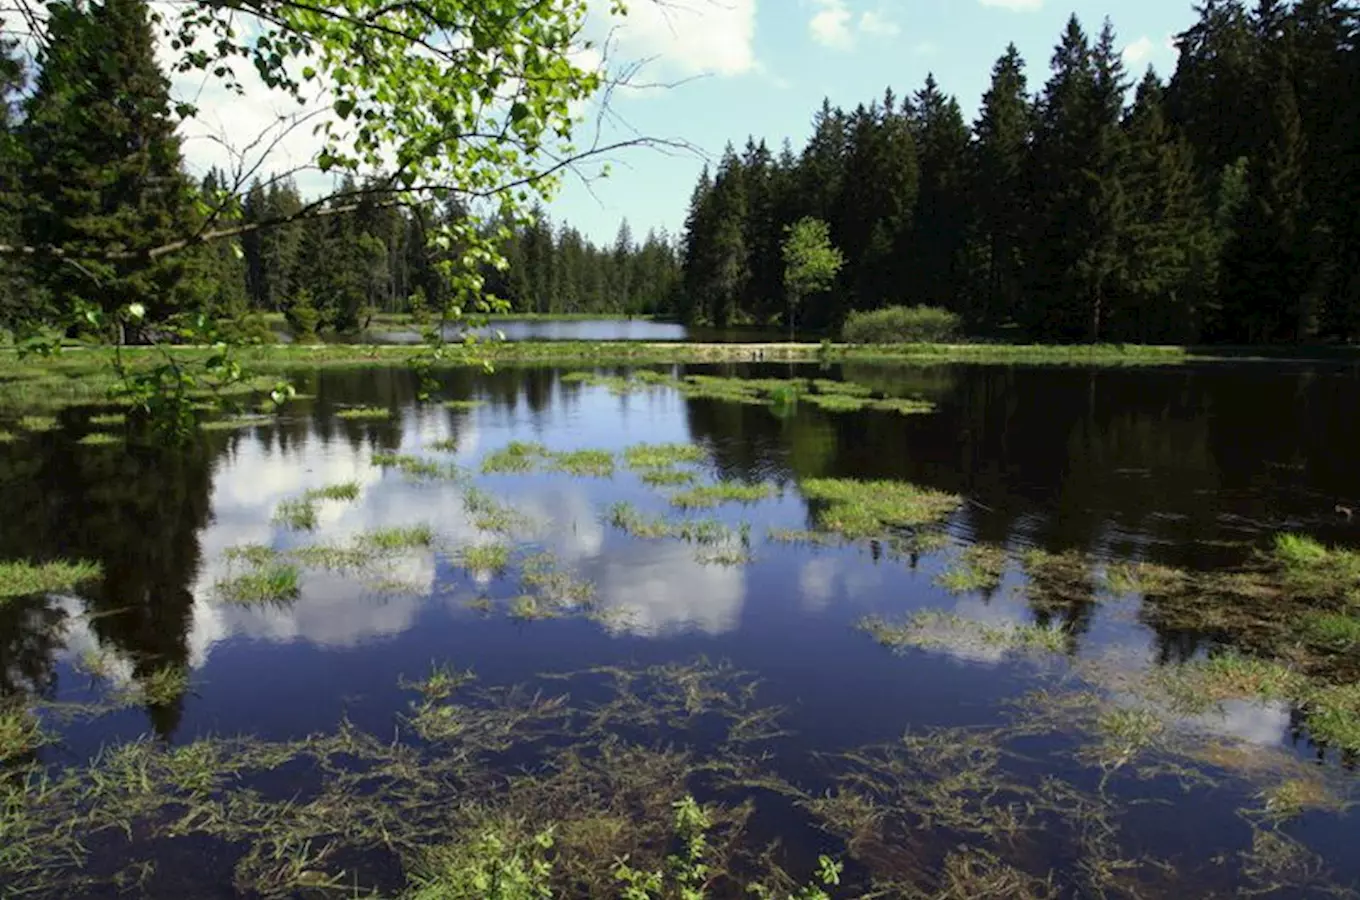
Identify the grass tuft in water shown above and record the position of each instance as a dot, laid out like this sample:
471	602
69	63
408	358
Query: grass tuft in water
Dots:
485	558
515	457
863	509
19	578
414	467
345	490
108	420
668	477
490	514
979	567
296	514
273	582
35	424
1199	685
397	538
6	437
1333	715
364	413
1143	578
1335	631
662	456
20	735
527	608
803	536
707	496
595	463
100	439
233	423
462	404
1309	570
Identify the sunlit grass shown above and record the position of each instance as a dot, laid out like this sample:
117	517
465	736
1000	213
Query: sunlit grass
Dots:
271	583
297	514
861	509
668	477
596	463
1310	570
660	456
1334	630
19	578
364	413
100	439
20	734
1198	685
1143	578
485	558
108	420
1333	715
414	467
706	496
515	457
980	567
36	424
405	537
345	490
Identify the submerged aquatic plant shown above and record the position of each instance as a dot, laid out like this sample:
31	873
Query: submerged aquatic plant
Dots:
980	567
485	558
862	509
297	514
20	578
397	537
414	467
932	628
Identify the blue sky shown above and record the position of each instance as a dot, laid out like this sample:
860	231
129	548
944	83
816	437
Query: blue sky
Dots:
762	67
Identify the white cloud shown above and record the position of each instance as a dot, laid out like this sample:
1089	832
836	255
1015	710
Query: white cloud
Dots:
1138	51
830	25
1015	5
707	36
871	22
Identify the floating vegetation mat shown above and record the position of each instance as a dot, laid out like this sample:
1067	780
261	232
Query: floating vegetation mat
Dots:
832	396
649	782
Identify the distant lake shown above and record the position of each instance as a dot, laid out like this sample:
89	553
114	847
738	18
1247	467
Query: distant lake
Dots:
649	330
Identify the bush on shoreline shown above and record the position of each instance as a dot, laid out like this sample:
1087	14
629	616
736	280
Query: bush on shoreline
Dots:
901	325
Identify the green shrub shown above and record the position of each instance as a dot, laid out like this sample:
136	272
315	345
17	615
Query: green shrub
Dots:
900	325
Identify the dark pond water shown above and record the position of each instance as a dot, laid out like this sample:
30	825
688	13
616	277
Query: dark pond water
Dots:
1191	467
589	330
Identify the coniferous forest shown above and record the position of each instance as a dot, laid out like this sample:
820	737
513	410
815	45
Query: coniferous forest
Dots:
1219	206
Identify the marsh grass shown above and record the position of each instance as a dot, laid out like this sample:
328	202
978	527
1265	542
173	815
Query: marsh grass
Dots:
491	515
662	456
19	578
296	514
462	404
108	420
444	445
627	518
1336	631
268	583
707	496
528	608
1143	578
1199	685
100	439
668	477
980	567
1309	570
864	509
803	536
397	538
594	463
1059	581
364	414
415	468
517	457
6	437
934	629
37	424
341	491
233	423
491	559
20	734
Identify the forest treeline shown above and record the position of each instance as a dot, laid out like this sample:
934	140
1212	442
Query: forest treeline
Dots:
1223	205
93	182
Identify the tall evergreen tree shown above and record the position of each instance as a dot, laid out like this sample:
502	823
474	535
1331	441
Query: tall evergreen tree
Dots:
15	294
1003	132
106	168
939	228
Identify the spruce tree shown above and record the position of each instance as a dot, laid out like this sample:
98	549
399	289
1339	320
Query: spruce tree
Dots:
16	297
939	228
997	188
106	171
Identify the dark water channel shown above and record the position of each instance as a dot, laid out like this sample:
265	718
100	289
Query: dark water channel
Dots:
1192	467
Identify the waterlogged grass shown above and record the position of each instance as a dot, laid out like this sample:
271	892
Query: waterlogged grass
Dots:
662	456
416	468
705	532
462	405
489	559
1143	578
100	439
6	437
296	514
668	477
233	423
594	463
1336	631
707	496
398	538
20	578
979	567
37	424
341	491
1312	571
491	515
108	420
517	457
934	629
864	509
273	582
364	414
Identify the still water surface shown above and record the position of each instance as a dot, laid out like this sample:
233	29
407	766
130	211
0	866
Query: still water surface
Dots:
1188	466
